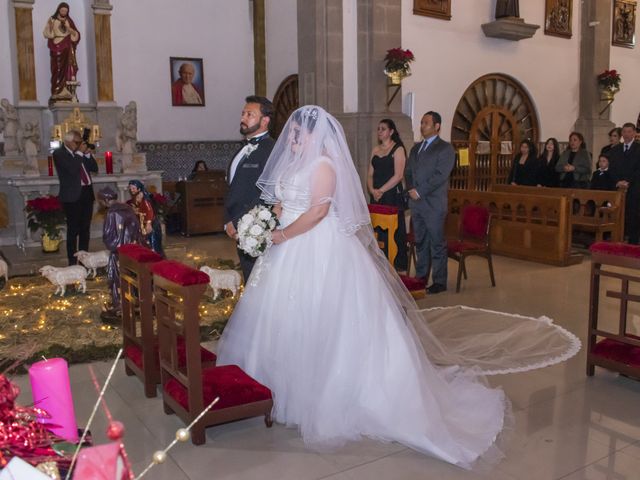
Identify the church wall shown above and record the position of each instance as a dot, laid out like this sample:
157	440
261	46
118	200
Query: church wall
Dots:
281	42
626	106
450	55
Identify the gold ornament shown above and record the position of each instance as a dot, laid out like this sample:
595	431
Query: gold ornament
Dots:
182	435
159	457
50	469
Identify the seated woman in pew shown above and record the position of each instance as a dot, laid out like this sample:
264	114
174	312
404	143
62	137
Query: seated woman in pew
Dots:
524	170
574	165
547	175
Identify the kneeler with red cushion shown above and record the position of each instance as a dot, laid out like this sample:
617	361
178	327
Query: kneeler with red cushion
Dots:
613	348
187	388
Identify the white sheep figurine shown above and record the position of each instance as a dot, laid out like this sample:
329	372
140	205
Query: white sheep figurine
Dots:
93	260
222	280
4	270
63	276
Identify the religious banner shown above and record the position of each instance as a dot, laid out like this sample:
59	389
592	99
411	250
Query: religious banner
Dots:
557	18
433	8
623	30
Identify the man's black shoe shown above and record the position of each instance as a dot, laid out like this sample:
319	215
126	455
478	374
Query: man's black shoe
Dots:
436	288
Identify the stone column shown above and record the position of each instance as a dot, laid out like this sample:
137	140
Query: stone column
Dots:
595	47
259	48
104	72
24	51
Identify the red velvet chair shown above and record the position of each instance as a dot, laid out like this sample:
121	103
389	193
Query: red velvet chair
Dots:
473	239
187	388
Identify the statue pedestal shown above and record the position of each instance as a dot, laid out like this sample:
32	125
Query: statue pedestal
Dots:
509	28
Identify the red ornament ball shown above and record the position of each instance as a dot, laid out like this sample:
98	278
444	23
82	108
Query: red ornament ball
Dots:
115	431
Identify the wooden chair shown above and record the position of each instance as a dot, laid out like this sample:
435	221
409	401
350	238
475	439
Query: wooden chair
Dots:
617	349
187	388
385	217
473	239
140	356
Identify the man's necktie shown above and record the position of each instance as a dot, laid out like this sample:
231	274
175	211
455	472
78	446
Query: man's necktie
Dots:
423	147
626	148
84	176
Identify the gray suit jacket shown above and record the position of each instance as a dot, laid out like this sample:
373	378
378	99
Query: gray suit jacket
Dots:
429	173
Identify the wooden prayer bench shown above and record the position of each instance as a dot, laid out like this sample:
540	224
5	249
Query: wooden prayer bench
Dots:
594	211
618	350
524	226
187	388
140	340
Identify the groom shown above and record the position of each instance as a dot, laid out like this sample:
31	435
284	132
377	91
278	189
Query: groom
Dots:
246	167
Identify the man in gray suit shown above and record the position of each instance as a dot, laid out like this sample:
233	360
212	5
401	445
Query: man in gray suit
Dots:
427	175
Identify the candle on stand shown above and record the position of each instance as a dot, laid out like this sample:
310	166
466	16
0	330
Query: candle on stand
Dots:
108	162
50	165
51	392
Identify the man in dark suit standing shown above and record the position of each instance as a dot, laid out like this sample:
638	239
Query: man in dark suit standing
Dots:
74	165
625	168
427	175
246	167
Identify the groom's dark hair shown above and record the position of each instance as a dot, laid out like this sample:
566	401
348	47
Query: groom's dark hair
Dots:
266	107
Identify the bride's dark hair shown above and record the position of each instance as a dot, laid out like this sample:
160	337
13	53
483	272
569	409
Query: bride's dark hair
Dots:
307	117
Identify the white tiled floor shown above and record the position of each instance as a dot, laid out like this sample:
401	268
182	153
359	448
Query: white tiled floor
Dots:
566	425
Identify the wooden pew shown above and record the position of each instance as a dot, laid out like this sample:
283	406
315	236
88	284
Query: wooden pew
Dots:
594	211
525	226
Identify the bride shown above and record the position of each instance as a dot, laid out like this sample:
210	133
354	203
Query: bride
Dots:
326	324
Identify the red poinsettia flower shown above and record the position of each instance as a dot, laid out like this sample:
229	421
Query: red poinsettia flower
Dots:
398	59
45	213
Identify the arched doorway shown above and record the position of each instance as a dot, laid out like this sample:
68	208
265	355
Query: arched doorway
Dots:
493	116
285	101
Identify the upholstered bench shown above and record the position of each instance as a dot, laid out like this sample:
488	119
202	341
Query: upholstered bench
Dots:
187	388
140	355
616	350
416	286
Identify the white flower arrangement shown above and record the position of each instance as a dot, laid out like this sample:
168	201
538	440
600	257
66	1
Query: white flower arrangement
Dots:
254	230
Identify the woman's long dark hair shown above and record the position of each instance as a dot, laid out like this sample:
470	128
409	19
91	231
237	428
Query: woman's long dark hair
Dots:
195	167
583	145
533	151
395	136
556	150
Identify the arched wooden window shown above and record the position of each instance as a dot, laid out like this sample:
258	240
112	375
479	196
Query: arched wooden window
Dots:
493	116
285	103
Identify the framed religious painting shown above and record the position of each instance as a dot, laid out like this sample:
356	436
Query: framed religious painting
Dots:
557	18
623	30
433	8
187	82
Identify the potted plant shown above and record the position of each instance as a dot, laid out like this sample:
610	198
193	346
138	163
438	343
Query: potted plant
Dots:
609	82
396	65
46	214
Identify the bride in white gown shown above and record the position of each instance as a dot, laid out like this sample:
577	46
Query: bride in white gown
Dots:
325	323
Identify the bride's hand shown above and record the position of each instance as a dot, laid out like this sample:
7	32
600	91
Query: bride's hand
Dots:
278	237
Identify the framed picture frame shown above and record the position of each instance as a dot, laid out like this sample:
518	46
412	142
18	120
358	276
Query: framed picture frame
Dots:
187	82
558	16
623	30
433	8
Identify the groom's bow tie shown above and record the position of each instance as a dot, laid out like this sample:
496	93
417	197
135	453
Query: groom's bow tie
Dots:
251	141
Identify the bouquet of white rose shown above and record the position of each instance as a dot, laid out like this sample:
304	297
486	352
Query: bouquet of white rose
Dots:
254	230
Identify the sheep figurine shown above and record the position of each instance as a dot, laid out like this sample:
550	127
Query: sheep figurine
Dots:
4	270
222	280
93	260
61	277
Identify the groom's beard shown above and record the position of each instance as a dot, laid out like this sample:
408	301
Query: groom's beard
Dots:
249	130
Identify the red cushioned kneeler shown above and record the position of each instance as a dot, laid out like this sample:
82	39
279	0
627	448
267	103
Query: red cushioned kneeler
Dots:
613	349
138	323
187	388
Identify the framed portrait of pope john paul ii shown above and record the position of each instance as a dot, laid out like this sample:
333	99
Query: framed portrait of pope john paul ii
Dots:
187	82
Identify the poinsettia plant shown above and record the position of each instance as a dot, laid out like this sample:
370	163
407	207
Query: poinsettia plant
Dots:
398	59
45	213
609	79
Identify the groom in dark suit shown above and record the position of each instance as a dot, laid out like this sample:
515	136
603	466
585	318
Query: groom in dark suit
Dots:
246	167
427	175
74	165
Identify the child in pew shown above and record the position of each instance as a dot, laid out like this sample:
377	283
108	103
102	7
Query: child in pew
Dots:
602	178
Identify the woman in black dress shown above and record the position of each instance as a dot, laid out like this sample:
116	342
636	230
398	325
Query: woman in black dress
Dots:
524	170
384	181
615	134
547	175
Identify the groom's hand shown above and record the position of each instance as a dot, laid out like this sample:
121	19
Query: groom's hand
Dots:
231	230
413	193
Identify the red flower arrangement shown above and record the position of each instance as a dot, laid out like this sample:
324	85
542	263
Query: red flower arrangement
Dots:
47	214
398	59
609	79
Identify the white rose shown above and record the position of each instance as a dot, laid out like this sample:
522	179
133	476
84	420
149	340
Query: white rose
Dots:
272	224
264	214
256	230
247	218
251	242
242	228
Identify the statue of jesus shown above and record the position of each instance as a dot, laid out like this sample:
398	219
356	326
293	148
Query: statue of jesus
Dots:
507	8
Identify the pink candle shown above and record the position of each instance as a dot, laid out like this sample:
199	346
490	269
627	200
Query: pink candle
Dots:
51	392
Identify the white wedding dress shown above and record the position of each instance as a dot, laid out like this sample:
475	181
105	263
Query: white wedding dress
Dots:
326	324
318	326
